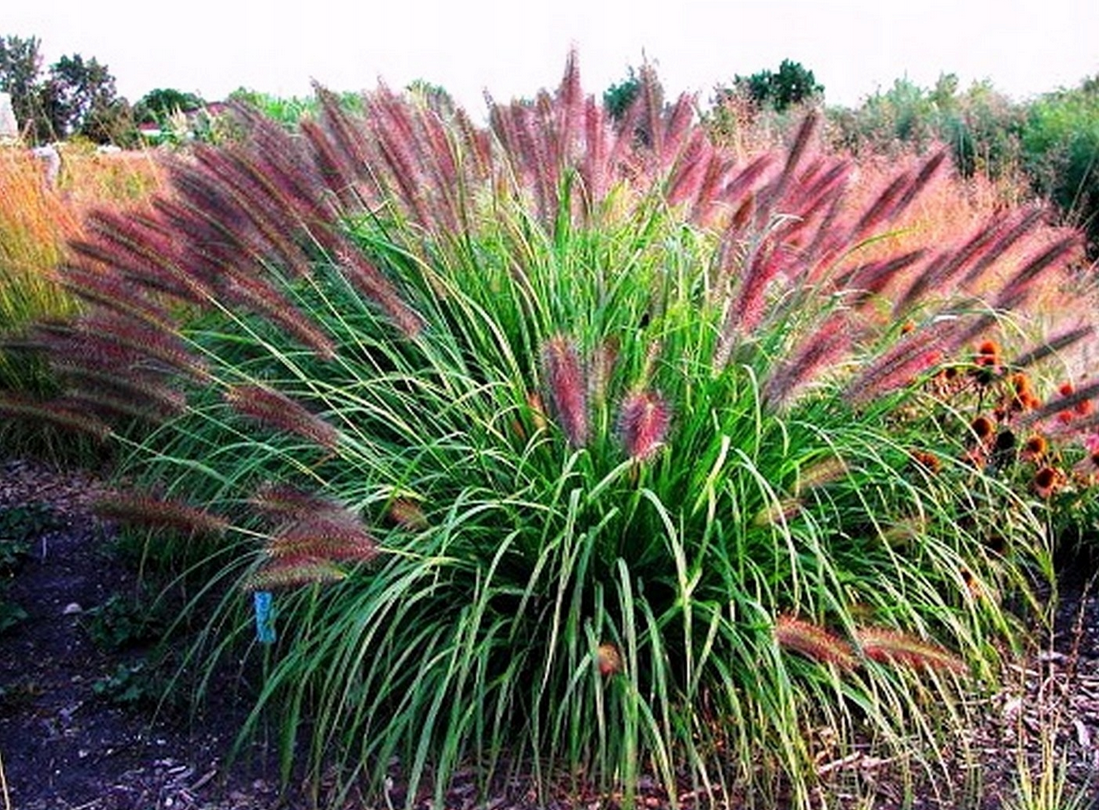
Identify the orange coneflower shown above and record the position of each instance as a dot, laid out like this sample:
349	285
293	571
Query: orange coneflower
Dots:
1035	448
982	427
929	461
1045	482
988	353
987	362
1022	396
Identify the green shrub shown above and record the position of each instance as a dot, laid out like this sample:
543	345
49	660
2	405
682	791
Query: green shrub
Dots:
981	126
1060	142
560	451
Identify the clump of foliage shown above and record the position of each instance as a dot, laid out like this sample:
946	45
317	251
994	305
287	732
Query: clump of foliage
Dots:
176	118
11	614
761	111
125	621
18	526
140	682
1048	146
289	112
561	449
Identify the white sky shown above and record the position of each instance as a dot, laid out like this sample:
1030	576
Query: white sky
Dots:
513	48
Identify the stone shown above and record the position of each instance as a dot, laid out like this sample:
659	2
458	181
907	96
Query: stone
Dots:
51	158
9	127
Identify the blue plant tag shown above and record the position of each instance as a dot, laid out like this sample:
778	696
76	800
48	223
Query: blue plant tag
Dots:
265	617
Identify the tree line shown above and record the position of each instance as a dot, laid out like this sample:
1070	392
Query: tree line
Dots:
75	97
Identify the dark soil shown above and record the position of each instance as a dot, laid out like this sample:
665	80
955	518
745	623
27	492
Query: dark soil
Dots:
80	724
80	728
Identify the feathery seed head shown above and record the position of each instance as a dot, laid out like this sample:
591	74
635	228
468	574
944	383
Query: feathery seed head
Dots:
407	514
567	388
290	572
285	501
888	646
328	536
813	641
1035	448
275	409
643	421
146	510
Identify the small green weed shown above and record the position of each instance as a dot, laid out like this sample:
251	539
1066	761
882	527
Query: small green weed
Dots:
18	525
12	553
21	524
124	622
10	614
128	685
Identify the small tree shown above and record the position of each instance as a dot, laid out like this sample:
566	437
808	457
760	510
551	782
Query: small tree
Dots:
82	96
792	84
158	104
1060	145
76	97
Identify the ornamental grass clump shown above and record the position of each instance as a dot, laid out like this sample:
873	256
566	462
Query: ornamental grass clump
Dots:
565	455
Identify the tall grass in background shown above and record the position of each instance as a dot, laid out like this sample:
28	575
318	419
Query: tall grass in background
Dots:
34	226
37	219
566	455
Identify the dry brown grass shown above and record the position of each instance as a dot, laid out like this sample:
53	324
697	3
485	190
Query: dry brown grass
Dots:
37	219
